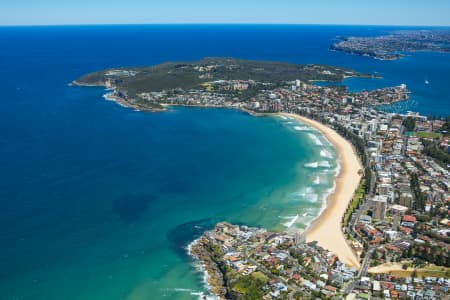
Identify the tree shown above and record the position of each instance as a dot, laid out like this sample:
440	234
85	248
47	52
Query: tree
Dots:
375	255
419	197
250	286
440	260
410	253
446	126
431	148
409	123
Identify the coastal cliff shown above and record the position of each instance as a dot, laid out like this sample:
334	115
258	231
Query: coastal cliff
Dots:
203	250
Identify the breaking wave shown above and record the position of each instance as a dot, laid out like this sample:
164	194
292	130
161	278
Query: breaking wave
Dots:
318	164
307	194
315	139
302	128
292	220
326	153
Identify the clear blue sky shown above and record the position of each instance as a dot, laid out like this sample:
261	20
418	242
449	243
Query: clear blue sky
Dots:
376	12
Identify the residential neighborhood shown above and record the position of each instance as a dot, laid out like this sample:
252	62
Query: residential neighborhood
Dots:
402	219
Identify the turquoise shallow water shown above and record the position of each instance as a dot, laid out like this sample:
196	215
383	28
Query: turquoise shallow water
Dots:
123	223
99	202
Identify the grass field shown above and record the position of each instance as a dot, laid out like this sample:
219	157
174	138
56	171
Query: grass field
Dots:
357	198
397	270
429	135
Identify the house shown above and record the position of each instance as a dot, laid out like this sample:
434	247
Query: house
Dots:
408	221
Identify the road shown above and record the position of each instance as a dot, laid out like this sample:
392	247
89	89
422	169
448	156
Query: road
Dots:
355	216
366	262
362	272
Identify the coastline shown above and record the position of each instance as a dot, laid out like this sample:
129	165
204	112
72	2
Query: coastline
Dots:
326	228
122	102
110	96
212	280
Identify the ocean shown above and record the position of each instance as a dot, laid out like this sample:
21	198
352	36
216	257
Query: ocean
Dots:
98	201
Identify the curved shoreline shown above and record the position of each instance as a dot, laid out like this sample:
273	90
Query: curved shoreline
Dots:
326	228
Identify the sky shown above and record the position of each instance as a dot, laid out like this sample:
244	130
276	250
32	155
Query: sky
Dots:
351	12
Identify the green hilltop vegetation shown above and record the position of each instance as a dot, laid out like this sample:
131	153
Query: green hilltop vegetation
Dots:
190	75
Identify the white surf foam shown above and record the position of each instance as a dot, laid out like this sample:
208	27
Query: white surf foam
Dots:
317	180
324	199
325	153
324	164
307	194
183	290
200	268
312	165
199	294
312	198
309	190
317	164
315	139
107	96
283	117
306	218
291	222
302	128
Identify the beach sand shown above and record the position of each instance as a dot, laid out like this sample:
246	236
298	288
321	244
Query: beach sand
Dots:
396	269
326	230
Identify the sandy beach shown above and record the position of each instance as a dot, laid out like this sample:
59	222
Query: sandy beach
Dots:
326	230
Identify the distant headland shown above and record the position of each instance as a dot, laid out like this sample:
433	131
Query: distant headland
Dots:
223	82
394	45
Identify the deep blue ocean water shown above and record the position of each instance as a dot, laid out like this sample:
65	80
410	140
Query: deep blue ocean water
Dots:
98	201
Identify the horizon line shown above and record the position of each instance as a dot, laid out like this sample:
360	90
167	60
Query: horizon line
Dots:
229	24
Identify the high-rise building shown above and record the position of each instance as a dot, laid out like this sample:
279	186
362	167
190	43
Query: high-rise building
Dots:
379	205
406	199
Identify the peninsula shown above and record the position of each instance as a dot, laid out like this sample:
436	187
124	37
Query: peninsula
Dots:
208	82
394	45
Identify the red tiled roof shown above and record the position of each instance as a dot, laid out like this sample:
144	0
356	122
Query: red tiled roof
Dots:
405	230
392	248
296	277
330	288
408	218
